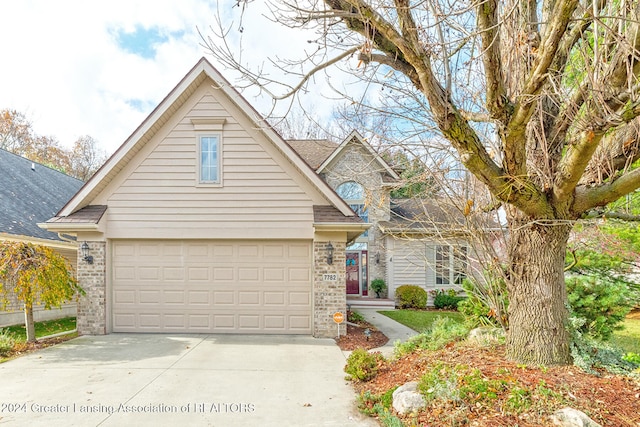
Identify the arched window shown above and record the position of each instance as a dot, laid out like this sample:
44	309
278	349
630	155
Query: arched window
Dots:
351	190
353	193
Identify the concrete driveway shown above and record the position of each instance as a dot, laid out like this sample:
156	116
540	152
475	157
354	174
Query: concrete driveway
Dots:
173	380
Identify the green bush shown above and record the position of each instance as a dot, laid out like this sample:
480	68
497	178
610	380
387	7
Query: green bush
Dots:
378	286
411	296
362	365
592	355
632	358
354	317
486	303
446	300
443	331
6	342
602	303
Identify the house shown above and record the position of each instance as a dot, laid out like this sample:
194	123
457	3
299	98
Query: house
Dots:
31	193
410	241
205	220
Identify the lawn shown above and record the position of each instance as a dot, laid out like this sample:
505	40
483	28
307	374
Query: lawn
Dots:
628	339
420	320
43	329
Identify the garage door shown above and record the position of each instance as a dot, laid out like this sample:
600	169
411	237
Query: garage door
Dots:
212	286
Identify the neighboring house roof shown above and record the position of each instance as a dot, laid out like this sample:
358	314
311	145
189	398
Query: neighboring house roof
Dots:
31	193
154	123
313	151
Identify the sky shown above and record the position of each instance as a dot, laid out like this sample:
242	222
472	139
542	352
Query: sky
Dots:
98	68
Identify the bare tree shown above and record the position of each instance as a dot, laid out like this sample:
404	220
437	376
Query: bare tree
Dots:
553	82
85	158
81	161
15	130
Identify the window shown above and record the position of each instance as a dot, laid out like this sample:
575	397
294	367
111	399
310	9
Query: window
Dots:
459	264
442	265
350	191
209	160
353	193
451	264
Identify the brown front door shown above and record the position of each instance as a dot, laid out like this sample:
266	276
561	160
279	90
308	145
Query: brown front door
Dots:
353	273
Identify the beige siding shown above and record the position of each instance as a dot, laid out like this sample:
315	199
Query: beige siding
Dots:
262	195
211	286
413	264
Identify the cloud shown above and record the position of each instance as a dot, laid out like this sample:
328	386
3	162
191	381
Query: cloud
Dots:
95	68
99	68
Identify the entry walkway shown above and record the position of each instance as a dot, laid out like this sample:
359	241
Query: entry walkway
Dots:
393	330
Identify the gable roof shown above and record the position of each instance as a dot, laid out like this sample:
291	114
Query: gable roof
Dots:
390	174
31	193
313	151
162	113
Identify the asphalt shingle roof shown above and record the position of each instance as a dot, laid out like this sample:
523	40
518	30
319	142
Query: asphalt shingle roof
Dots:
29	195
331	214
313	151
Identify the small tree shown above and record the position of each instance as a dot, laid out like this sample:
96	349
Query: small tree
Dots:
35	275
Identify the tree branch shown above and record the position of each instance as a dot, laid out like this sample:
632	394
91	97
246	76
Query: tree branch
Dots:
573	164
514	150
314	70
487	12
507	187
593	214
587	198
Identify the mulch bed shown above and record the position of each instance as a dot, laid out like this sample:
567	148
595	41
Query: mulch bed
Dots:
356	338
610	400
21	349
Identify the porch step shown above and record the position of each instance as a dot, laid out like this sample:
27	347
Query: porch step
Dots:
360	302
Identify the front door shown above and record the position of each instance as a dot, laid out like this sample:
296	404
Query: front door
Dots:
353	273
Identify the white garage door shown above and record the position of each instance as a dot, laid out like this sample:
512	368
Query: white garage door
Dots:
212	286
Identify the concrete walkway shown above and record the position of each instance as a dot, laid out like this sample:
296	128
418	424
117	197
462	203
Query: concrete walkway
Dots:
180	380
393	330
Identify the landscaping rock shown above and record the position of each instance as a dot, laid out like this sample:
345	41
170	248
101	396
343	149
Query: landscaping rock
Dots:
407	399
569	417
486	335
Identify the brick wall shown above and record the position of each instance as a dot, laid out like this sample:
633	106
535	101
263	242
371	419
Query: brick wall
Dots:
330	296
358	165
92	310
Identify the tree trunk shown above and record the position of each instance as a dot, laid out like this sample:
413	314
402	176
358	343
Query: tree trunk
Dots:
538	313
28	322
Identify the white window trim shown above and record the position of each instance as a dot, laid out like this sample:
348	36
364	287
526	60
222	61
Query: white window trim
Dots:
450	264
208	127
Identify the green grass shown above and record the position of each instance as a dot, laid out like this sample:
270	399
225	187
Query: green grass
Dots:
420	320
43	329
628	339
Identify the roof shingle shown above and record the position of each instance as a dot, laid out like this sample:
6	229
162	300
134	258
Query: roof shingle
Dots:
313	151
31	193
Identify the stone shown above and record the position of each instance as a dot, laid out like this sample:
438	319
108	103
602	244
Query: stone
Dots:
486	335
407	398
569	417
